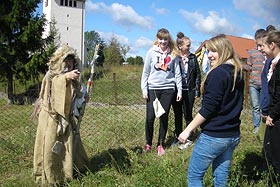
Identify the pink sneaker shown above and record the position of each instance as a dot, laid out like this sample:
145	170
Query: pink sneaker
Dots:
147	148
160	150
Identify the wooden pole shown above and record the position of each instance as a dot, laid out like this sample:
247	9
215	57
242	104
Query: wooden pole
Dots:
115	88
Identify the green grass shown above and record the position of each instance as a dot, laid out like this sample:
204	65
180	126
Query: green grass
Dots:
114	146
113	136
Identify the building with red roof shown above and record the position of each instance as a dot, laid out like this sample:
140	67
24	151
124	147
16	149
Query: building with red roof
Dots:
240	45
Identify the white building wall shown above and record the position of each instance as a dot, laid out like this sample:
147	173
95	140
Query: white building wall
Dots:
69	22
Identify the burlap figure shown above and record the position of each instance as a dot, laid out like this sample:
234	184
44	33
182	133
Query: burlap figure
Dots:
54	156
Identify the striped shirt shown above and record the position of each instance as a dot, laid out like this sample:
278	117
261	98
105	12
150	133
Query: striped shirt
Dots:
255	64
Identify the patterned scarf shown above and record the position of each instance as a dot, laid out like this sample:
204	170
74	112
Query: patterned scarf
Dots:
163	53
185	58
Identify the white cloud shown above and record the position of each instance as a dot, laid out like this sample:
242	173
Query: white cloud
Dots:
266	10
107	36
139	47
195	45
122	15
211	24
143	42
256	26
161	11
90	6
247	36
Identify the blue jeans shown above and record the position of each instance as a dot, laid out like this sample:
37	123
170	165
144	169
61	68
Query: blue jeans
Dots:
210	150
255	93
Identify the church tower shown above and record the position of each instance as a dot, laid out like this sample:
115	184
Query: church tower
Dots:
69	16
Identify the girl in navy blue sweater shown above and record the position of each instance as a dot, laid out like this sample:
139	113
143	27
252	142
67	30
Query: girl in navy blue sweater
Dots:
219	116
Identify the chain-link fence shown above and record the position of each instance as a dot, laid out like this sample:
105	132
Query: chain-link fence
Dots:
115	106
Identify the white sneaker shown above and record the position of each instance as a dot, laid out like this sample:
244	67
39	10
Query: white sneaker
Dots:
255	130
185	145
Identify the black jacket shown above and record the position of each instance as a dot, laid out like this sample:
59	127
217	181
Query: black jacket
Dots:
274	93
193	76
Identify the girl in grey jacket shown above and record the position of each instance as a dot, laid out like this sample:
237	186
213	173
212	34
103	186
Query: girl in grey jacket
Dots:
161	74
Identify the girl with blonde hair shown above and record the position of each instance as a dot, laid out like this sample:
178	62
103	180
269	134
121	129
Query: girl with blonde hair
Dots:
191	80
160	76
219	116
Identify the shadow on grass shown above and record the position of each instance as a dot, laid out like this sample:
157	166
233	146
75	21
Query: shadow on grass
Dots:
169	140
27	97
255	168
252	166
115	158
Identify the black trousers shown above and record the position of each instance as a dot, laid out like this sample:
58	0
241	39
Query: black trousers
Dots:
165	97
271	146
185	106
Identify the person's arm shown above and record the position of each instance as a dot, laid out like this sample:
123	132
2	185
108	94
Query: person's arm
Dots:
196	122
61	94
249	64
264	97
274	109
145	75
269	121
198	78
178	78
213	95
73	75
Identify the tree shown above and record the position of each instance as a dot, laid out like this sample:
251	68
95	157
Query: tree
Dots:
101	58
20	40
91	39
37	64
114	52
138	60
124	50
111	52
130	60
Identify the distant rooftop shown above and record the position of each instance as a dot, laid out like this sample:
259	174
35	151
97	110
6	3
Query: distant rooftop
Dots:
240	45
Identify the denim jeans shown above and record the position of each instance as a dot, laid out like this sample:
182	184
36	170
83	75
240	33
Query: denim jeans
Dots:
255	93
210	150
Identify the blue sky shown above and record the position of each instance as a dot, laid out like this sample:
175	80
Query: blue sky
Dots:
135	22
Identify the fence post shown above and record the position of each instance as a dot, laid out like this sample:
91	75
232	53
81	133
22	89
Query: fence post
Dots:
115	88
246	88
